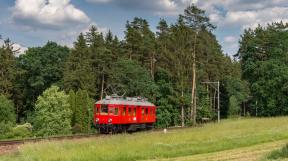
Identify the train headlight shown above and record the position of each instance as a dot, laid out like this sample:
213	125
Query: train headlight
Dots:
97	120
109	120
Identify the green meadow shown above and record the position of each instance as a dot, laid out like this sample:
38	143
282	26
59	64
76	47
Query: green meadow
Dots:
181	144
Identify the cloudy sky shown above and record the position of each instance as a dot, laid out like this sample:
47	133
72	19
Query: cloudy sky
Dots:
33	22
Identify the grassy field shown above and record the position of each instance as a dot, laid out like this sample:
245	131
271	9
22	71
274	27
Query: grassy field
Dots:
215	141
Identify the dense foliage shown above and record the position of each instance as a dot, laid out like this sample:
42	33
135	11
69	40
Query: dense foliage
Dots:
82	107
7	110
52	113
40	68
263	55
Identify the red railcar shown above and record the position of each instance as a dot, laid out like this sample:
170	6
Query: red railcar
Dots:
116	114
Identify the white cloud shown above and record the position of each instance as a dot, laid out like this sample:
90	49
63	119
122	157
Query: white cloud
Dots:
52	14
233	16
68	37
98	1
230	39
20	49
160	7
17	48
245	13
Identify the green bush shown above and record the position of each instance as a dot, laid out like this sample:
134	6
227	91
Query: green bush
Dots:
5	129
7	110
52	113
22	131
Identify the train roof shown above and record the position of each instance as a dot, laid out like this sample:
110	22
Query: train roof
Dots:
117	100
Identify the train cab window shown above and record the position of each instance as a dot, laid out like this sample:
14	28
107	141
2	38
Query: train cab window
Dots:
124	111
142	111
129	111
146	111
104	110
116	111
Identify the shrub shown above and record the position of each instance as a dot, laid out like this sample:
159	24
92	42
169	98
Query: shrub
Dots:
7	110
81	105
22	131
52	113
5	129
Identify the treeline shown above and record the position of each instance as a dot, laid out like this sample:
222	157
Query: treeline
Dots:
54	87
263	55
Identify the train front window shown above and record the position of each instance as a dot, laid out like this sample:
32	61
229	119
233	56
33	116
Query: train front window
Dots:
104	110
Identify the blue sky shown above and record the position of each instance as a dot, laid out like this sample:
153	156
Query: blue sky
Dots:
33	22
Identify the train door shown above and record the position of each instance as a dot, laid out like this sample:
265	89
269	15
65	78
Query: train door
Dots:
123	114
142	114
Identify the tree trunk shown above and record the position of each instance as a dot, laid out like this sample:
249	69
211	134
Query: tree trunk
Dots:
182	113
102	86
193	102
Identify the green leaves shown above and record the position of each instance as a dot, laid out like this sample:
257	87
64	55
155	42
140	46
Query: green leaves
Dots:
42	67
52	113
135	79
263	54
8	69
82	111
7	110
78	72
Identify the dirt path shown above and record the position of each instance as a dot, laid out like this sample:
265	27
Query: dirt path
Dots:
9	149
251	153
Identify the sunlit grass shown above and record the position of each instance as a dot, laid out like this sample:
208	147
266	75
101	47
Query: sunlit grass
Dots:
228	134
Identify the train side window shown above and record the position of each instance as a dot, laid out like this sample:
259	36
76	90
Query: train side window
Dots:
111	110
97	110
146	111
142	111
134	111
124	111
116	111
104	109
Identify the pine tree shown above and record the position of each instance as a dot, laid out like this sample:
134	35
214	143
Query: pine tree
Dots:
78	72
141	44
81	108
8	69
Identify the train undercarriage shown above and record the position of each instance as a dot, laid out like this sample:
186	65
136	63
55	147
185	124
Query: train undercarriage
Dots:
119	128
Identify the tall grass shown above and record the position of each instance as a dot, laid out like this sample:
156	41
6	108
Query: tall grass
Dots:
279	154
212	137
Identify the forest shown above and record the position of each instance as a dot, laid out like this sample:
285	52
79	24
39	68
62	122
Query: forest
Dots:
51	90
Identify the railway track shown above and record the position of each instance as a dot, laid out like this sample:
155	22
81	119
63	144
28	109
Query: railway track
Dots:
68	137
53	138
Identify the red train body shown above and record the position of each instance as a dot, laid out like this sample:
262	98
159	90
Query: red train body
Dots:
116	114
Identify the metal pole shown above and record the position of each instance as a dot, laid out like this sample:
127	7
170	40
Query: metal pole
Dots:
218	108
